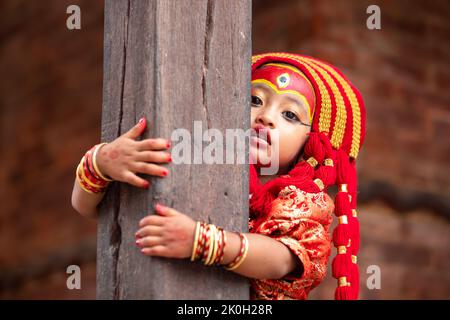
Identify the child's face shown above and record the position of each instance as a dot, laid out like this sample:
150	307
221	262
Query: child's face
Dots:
284	112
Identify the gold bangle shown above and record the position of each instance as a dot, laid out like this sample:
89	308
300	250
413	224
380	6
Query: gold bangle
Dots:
224	234
80	183
244	254
85	178
215	247
219	245
94	162
194	248
211	243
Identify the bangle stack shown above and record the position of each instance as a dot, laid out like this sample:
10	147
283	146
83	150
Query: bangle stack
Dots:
209	246
88	175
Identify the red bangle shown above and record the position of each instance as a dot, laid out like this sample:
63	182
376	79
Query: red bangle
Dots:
85	185
241	255
207	243
91	177
201	241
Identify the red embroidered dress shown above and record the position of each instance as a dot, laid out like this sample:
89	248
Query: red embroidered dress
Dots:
300	220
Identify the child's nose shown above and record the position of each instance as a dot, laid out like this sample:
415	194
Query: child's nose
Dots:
266	119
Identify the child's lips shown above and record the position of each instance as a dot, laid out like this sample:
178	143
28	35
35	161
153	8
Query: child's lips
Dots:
258	141
261	132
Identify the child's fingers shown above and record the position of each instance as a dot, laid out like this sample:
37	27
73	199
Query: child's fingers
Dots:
161	251
152	220
154	156
165	211
149	241
153	144
150	169
136	181
137	130
150	230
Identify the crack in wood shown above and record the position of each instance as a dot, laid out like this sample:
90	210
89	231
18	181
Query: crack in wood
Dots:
116	235
209	26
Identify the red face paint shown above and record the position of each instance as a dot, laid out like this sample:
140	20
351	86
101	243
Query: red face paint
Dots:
286	79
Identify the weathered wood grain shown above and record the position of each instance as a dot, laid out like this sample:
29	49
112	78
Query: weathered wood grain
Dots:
174	62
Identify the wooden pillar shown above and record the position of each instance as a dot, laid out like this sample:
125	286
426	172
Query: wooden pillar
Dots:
174	62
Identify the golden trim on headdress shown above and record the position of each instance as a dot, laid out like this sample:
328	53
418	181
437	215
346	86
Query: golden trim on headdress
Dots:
296	93
343	187
343	282
319	183
328	162
342	250
356	134
343	219
312	162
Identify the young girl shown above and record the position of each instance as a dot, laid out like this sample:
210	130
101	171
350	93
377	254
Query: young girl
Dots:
319	118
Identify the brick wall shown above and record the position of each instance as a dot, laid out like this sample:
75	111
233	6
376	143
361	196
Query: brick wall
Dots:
402	72
50	104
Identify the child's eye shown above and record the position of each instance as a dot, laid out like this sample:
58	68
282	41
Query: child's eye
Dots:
291	116
256	101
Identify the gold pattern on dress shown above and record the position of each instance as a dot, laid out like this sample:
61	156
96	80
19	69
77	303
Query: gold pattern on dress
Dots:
301	221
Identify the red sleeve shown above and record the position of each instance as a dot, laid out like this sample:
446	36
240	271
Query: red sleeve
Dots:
300	220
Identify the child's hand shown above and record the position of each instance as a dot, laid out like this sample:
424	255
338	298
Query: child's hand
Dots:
124	157
169	234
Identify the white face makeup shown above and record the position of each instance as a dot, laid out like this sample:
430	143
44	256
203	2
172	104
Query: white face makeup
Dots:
277	115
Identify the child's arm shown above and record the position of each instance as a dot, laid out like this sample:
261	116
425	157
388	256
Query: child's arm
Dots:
85	203
171	234
122	160
266	259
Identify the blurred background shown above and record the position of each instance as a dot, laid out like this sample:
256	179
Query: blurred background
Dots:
50	113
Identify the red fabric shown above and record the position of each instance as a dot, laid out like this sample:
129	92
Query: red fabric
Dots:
301	221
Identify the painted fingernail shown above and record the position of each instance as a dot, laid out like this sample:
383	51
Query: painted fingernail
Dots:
169	159
138	242
165	173
146	185
168	144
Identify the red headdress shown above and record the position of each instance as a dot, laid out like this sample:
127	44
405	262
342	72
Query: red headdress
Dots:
337	134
